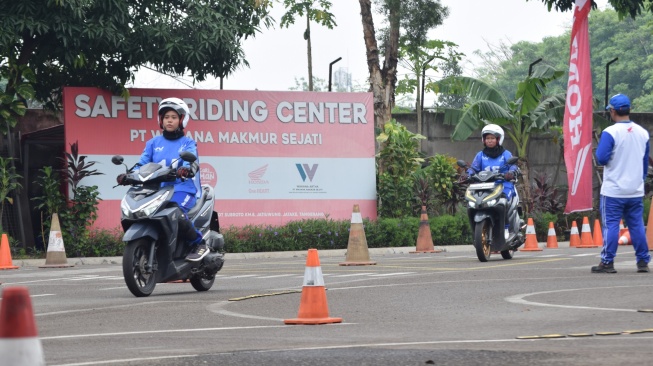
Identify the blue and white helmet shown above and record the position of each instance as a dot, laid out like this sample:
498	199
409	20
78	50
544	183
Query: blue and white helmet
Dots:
176	105
496	130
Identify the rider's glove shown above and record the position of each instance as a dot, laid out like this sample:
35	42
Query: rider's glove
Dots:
183	172
121	178
509	176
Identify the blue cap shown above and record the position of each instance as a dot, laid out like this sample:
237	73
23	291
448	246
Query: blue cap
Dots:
618	102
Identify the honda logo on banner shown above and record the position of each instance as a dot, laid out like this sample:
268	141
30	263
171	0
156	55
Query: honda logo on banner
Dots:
306	171
577	127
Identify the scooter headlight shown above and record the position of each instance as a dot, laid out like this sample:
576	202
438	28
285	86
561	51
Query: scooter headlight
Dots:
151	207
146	209
491	203
124	207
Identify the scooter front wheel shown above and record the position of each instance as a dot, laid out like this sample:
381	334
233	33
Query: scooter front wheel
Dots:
140	281
482	240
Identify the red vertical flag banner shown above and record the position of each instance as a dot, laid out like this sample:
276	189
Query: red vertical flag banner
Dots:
577	128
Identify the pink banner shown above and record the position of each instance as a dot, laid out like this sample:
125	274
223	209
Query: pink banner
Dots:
271	157
577	128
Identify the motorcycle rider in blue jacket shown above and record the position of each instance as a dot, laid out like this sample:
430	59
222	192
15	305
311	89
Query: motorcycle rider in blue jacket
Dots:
493	157
164	149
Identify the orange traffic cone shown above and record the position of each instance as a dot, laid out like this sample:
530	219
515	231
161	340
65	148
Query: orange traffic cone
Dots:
531	240
56	255
574	238
552	238
649	227
357	252
624	238
424	238
313	308
598	235
19	342
5	254
586	240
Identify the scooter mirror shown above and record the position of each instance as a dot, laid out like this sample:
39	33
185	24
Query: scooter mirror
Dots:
461	163
117	159
187	156
513	160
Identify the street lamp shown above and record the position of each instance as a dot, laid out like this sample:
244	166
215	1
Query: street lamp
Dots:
421	106
530	67
330	66
607	77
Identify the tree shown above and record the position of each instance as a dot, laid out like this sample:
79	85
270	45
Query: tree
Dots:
400	14
450	67
505	65
301	84
631	8
103	42
417	62
320	15
530	111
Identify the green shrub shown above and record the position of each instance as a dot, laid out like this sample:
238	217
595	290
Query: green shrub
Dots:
541	221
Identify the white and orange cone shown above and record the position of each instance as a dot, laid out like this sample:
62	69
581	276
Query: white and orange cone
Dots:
586	240
19	342
56	254
5	254
624	238
574	237
313	308
598	234
531	239
358	254
424	238
551	238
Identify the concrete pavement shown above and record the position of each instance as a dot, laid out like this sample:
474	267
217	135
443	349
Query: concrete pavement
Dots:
285	254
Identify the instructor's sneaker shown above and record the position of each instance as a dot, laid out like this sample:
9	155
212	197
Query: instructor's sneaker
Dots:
199	251
604	268
642	267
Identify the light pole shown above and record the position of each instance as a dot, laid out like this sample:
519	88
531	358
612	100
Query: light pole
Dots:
607	77
530	67
330	66
421	102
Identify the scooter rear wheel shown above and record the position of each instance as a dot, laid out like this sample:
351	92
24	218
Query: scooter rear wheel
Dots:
200	283
134	260
507	254
482	240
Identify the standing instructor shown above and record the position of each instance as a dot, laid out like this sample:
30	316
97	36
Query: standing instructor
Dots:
623	150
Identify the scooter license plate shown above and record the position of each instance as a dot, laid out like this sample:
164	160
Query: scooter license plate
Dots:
481	186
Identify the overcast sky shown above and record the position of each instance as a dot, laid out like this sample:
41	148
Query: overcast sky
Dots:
278	56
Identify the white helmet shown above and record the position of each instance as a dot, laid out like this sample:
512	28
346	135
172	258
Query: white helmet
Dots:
176	105
496	130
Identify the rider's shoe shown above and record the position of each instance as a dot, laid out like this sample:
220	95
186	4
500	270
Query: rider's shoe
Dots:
604	268
199	251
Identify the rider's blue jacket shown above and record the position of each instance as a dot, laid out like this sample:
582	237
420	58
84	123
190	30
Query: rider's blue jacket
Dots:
163	151
484	162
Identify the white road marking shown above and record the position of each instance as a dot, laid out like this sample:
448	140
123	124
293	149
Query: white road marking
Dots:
347	346
391	274
519	299
277	276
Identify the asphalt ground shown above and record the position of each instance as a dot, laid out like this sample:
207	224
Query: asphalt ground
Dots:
447	308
